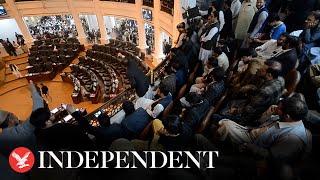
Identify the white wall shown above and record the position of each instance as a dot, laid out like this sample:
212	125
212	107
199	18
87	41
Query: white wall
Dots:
8	27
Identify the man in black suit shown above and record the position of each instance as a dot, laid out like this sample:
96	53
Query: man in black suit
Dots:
169	80
137	78
288	56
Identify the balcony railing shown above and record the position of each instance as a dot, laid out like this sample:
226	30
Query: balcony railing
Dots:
167	6
148	3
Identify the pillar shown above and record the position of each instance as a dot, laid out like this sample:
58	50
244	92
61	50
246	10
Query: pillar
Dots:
141	30
157	34
81	36
177	18
14	13
104	38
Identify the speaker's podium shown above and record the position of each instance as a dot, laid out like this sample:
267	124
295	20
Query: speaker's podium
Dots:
191	13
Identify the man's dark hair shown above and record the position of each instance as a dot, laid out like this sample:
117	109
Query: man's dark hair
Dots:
248	52
273	17
174	50
218	50
292	41
128	107
274	68
213	61
172	124
164	90
315	14
215	14
104	120
193	98
39	117
295	108
228	3
168	70
285	34
218	73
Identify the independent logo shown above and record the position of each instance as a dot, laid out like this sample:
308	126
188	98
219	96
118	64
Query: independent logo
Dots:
21	159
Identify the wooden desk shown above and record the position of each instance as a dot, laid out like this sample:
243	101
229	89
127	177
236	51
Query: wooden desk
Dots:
43	76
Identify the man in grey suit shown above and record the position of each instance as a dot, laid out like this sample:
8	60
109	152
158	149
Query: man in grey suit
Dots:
23	133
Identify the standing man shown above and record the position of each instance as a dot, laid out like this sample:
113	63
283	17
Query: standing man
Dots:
208	37
258	23
45	92
137	78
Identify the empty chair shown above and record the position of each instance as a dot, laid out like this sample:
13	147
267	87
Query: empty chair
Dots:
142	56
33	53
47	42
97	55
111	42
34	48
69	45
74	68
43	59
62	46
82	60
54	58
37	68
38	43
48	66
70	52
61	52
113	51
32	60
62	59
95	47
76	46
108	50
89	53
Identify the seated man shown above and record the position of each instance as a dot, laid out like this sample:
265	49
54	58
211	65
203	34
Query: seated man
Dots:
271	47
215	89
288	56
198	109
155	107
169	80
170	134
283	139
249	110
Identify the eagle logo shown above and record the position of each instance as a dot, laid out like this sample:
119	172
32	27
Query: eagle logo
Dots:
21	159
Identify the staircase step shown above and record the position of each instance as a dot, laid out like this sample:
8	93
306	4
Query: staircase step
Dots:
13	85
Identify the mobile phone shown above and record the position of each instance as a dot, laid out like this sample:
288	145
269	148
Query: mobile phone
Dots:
55	110
67	118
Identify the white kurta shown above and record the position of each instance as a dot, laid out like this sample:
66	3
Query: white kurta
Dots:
247	11
204	54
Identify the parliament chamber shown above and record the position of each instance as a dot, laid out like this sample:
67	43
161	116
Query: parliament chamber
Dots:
164	76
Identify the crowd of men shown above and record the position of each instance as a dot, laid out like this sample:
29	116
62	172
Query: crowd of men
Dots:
127	30
62	26
262	130
16	47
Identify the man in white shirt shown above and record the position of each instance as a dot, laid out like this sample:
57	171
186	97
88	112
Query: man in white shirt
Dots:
272	47
235	9
155	107
223	60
